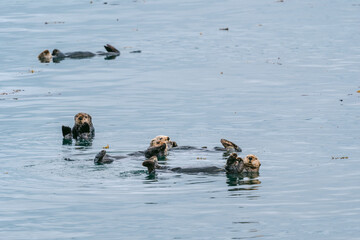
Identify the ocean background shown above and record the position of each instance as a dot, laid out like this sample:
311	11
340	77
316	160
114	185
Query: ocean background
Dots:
282	83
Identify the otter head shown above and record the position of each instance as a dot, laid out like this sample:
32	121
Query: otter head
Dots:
163	139
82	118
45	56
230	146
56	52
252	163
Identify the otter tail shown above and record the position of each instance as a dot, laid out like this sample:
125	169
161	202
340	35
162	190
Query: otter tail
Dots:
110	48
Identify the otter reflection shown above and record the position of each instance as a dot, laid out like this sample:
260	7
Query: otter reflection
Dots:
249	178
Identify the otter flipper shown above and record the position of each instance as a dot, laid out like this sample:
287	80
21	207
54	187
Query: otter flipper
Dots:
66	131
110	48
230	146
152	164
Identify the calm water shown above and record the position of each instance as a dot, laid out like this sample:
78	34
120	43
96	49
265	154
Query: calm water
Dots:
281	83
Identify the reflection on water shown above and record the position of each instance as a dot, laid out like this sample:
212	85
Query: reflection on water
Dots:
242	179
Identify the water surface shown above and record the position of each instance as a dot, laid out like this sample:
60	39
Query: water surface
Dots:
281	83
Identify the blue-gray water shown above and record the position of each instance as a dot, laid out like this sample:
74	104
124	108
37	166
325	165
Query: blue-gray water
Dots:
281	83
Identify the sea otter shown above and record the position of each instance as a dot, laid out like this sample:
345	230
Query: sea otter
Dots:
57	55
103	158
83	128
157	142
234	165
45	56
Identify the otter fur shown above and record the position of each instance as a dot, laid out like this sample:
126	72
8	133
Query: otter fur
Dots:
228	146
251	163
45	56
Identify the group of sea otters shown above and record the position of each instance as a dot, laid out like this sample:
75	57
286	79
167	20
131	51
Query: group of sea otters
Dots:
56	55
83	130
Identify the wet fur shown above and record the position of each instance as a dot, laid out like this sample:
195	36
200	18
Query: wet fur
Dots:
83	125
83	128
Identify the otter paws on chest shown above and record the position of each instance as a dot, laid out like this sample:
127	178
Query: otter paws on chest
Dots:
83	128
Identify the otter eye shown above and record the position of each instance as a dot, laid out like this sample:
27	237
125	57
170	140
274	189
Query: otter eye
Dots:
86	117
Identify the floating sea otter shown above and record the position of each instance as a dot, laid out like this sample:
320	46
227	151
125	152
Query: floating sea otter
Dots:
160	145
157	148
57	55
83	129
234	164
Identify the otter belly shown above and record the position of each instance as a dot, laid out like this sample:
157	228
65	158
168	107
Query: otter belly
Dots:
80	54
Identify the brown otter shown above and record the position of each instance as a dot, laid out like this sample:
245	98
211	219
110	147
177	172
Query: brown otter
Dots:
234	165
58	56
45	56
83	128
251	163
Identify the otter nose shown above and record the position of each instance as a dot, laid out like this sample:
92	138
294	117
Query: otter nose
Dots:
80	118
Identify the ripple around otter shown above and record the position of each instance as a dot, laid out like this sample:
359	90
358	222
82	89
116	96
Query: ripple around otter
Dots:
281	83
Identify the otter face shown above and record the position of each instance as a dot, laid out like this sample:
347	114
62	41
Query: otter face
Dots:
252	163
45	56
82	118
55	52
158	139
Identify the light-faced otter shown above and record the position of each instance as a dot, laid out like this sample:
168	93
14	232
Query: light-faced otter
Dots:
251	163
57	55
234	165
160	146
45	56
83	128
